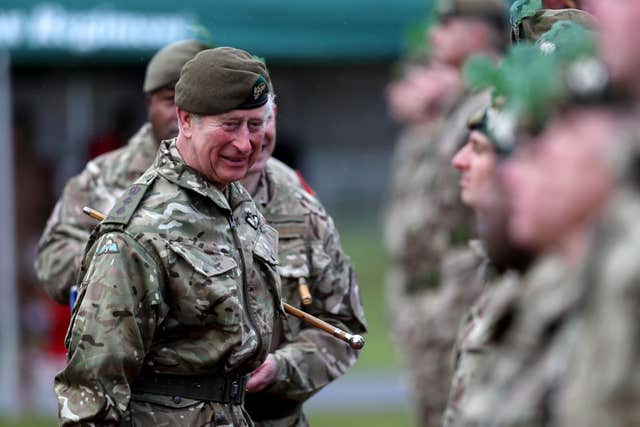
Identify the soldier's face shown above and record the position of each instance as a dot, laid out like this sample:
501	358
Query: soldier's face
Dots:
617	25
223	147
558	183
161	112
477	162
268	143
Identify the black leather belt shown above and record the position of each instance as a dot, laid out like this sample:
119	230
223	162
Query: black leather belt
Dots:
222	388
264	407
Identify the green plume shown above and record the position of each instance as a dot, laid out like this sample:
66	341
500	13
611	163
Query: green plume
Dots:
480	72
568	41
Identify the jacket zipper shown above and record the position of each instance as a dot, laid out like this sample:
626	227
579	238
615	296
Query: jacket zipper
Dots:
252	322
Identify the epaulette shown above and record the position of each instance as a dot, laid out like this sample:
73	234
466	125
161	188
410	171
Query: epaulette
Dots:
127	204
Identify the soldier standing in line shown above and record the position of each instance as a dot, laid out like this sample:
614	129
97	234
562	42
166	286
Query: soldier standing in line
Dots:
302	360
433	274
605	390
554	204
105	178
481	189
494	136
179	289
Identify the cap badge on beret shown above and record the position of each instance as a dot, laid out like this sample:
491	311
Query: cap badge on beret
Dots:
258	88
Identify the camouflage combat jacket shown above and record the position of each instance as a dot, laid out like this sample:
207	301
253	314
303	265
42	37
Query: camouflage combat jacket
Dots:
531	349
309	249
179	279
604	388
475	347
100	184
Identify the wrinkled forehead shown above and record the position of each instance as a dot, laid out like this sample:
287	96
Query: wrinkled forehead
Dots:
241	114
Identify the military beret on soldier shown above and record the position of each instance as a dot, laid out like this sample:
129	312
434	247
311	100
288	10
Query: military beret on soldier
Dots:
219	80
531	28
164	68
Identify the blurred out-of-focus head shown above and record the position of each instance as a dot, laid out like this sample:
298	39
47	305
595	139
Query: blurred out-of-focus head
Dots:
466	27
423	92
269	140
618	23
559	181
163	71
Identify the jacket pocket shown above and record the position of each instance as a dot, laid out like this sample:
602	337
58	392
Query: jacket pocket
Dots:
204	286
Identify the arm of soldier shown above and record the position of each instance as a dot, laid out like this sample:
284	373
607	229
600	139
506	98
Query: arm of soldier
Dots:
314	358
62	244
119	306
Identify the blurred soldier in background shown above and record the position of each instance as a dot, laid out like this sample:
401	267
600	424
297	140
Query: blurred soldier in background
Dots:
105	178
493	133
606	386
553	208
302	360
433	273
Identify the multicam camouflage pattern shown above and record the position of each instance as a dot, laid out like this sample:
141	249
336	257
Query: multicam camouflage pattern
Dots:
433	276
473	355
98	186
531	350
309	249
605	387
178	279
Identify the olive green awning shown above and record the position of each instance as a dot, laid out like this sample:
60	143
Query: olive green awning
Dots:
124	31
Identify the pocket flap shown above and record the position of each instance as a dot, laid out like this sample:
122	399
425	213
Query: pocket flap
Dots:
294	265
266	247
207	264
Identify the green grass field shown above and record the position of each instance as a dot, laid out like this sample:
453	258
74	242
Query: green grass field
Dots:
366	249
359	419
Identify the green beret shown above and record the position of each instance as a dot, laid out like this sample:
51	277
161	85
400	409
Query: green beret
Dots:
531	28
481	8
164	68
219	80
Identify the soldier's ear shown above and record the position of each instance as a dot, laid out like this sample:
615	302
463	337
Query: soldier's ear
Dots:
186	122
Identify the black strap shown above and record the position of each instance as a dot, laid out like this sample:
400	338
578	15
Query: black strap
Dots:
227	388
265	406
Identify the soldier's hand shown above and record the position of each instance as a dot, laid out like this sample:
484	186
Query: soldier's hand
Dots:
263	376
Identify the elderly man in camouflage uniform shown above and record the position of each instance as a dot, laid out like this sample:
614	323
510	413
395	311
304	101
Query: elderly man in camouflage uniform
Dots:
433	274
105	178
179	289
303	359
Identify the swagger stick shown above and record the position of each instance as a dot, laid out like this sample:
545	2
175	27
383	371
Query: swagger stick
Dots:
356	342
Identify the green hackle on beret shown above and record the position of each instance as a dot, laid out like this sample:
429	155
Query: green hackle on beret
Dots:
534	81
219	80
164	68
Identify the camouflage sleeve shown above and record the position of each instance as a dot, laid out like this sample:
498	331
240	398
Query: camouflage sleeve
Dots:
119	305
62	244
314	359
